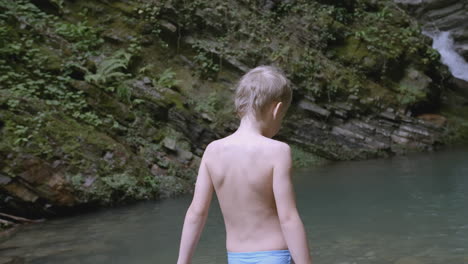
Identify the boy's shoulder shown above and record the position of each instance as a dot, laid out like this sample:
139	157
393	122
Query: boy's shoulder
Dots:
277	145
264	142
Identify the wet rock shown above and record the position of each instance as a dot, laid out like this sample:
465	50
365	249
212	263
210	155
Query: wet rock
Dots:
346	133
49	6
21	192
156	170
462	49
168	26
56	163
108	156
356	134
313	108
185	156
189	124
388	115
438	121
363	125
461	86
465	260
207	117
115	35
4	180
415	130
147	91
163	163
89	181
400	139
11	260
169	143
415	80
147	81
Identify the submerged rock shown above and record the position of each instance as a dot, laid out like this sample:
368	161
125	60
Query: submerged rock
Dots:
12	260
410	260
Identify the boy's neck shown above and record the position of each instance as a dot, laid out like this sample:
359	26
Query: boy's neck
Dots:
250	125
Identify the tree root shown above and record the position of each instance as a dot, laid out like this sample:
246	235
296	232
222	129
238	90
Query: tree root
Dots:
18	219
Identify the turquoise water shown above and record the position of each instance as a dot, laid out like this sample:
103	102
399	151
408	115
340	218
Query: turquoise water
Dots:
411	209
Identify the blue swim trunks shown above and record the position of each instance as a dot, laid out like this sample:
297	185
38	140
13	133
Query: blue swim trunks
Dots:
260	257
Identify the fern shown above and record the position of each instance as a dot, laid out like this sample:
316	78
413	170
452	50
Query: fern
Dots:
167	79
110	69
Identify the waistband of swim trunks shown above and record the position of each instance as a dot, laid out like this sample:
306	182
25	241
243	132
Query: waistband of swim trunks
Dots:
282	252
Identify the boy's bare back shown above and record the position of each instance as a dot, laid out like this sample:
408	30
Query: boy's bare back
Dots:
241	169
251	175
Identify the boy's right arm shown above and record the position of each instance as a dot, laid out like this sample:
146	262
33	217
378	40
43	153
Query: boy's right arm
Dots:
291	223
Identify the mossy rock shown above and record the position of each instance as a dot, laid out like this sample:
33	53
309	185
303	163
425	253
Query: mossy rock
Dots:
355	53
457	128
304	159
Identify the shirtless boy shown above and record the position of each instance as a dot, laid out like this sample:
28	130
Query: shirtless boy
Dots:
251	175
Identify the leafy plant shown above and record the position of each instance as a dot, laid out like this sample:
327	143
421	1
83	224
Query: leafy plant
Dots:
167	79
210	104
207	68
25	62
110	70
22	133
409	95
150	12
83	36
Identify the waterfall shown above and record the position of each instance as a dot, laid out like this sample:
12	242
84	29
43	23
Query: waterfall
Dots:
443	43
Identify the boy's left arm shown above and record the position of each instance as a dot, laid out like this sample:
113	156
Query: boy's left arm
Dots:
197	213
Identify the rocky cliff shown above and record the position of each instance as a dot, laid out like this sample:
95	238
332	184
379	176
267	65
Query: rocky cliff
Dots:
446	22
104	102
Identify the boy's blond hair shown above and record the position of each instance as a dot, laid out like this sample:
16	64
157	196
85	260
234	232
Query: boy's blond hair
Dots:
260	87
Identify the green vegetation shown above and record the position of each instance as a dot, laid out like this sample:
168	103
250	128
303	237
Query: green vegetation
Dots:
305	159
206	66
110	70
82	35
99	85
167	79
57	87
457	128
409	95
210	104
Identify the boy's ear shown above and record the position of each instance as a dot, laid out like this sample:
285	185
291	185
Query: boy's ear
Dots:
277	110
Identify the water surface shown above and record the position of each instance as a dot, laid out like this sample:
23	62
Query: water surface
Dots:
411	209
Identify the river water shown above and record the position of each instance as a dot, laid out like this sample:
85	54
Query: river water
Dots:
404	210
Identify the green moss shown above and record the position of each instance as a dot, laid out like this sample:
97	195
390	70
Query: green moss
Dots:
352	51
125	7
54	62
303	159
457	125
173	98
